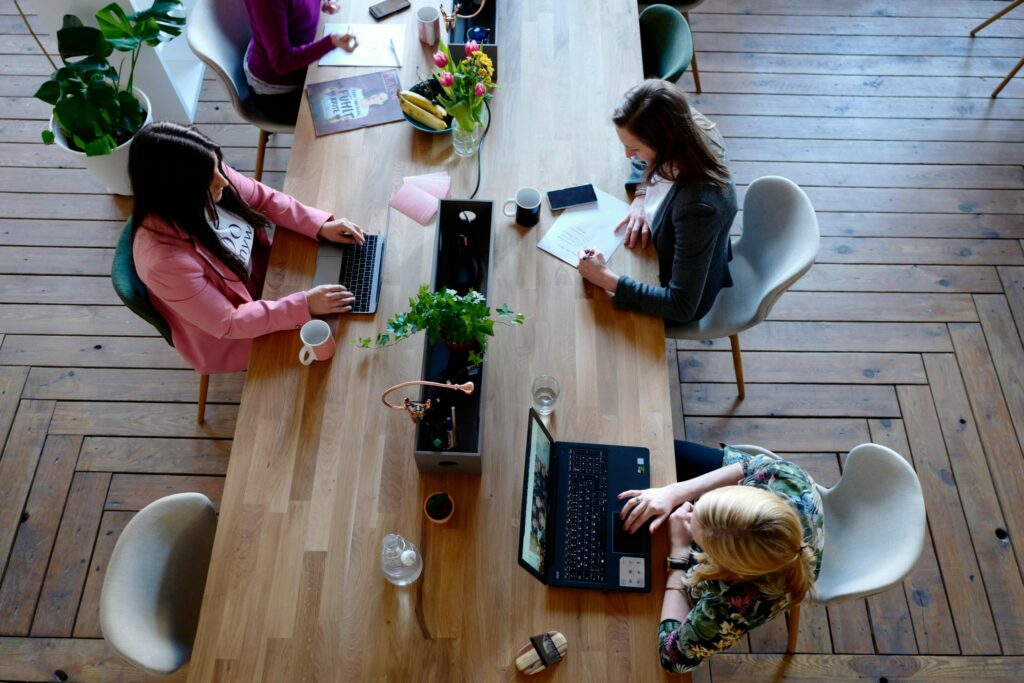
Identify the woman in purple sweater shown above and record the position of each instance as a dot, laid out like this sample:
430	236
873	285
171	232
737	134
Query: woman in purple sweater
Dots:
282	46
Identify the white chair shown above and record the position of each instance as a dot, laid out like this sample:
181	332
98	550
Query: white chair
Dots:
779	243
218	33
149	607
874	528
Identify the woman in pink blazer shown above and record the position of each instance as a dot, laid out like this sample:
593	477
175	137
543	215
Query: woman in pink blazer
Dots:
202	241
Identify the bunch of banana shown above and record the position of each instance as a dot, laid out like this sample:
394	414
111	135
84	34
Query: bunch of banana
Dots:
422	110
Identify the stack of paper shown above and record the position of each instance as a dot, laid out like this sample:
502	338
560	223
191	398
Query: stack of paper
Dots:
418	197
379	45
586	227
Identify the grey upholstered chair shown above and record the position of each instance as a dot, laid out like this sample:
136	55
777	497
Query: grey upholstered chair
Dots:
149	607
218	33
779	242
874	528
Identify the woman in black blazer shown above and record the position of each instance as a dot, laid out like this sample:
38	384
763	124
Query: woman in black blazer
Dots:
687	179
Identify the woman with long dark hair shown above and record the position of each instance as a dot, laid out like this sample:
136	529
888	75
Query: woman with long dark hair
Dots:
684	205
201	241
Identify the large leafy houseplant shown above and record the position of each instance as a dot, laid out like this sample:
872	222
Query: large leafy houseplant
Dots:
94	112
446	315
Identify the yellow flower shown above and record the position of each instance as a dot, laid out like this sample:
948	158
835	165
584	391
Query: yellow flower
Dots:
699	652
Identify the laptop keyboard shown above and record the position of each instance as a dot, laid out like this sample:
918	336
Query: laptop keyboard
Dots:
587	511
357	267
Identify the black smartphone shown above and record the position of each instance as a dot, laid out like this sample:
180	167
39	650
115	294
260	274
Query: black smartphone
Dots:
571	196
387	8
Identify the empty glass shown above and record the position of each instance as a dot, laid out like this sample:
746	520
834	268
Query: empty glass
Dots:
545	394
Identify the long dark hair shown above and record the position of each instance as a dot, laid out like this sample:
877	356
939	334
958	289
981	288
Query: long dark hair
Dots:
657	113
171	168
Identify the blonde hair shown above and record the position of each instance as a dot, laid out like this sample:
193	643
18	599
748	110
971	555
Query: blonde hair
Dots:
750	534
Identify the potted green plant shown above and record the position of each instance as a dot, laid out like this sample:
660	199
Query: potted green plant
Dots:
462	322
96	110
439	507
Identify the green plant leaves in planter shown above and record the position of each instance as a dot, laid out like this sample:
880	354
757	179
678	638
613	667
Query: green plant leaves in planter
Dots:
445	315
90	107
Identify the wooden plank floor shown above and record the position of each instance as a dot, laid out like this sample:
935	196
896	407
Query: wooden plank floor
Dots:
907	332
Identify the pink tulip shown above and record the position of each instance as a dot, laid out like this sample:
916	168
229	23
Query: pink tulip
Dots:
446	79
441	59
471	47
479	90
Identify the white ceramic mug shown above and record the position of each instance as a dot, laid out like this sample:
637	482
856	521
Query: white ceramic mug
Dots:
317	342
428	25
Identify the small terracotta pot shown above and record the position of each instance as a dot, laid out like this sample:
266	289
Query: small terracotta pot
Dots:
450	512
459	346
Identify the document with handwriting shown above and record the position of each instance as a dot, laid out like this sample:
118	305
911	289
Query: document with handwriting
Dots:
586	227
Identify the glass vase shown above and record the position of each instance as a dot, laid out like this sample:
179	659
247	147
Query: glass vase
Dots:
467	142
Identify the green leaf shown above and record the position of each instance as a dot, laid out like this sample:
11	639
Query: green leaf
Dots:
82	41
116	27
100	146
48	138
49	92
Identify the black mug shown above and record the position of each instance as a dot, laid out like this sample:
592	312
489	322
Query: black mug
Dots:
527	203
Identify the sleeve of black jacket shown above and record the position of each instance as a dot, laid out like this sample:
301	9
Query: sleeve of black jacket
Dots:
695	231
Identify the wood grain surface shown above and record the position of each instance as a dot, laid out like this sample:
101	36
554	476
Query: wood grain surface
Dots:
320	472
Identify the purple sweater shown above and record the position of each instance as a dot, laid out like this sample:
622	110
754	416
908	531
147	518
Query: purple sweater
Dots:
282	39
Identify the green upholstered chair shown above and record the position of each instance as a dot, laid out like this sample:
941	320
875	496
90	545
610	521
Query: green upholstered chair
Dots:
685	6
666	42
133	293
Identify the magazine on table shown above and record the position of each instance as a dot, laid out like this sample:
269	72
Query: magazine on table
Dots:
355	102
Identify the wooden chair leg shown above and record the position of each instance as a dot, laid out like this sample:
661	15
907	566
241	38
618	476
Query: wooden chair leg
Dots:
260	151
693	62
793	627
1008	77
1012	5
204	384
737	365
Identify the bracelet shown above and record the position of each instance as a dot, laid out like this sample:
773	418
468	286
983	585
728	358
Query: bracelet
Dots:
640	192
675	588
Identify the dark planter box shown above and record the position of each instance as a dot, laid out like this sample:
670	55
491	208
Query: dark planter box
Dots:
463	253
487	19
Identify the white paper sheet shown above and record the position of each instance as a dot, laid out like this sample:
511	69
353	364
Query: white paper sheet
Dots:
586	227
374	45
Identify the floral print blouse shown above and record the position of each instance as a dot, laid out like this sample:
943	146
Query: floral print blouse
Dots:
723	610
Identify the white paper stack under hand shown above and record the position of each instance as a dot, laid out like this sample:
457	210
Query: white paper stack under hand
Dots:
418	197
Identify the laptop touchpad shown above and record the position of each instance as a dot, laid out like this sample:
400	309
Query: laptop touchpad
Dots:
626	543
328	269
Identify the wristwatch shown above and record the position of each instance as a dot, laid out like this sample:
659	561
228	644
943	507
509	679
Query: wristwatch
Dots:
676	563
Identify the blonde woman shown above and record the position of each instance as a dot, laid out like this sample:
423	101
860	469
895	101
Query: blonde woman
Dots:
749	548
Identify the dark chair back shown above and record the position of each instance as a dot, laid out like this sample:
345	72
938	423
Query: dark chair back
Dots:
665	42
131	289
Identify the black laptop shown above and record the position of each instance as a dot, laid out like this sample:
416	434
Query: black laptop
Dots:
571	531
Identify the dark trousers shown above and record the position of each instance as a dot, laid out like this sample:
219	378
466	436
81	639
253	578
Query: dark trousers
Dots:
283	109
693	459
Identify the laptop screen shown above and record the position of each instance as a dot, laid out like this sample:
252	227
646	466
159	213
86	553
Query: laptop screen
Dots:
535	496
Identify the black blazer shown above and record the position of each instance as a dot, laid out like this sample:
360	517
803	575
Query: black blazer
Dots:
691	235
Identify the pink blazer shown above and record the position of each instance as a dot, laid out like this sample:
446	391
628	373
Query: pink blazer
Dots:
213	317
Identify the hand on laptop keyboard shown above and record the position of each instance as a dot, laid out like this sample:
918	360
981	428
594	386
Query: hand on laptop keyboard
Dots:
327	299
342	231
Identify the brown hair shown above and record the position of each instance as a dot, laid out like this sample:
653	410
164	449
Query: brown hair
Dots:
750	534
657	112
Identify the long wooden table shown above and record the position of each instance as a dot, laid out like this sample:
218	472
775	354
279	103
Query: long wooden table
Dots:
320	471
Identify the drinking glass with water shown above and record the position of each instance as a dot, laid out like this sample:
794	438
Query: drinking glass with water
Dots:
545	394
